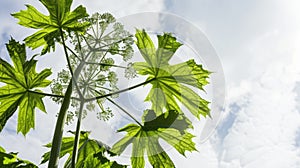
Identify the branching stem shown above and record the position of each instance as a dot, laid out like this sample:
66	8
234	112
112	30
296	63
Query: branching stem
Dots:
52	95
120	91
69	63
126	112
103	64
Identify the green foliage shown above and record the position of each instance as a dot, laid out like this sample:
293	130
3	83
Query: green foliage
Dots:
50	27
171	81
169	85
91	152
91	53
10	160
20	90
169	126
2	149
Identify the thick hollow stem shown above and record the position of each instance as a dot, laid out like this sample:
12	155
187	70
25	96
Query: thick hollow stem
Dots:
57	138
56	142
77	135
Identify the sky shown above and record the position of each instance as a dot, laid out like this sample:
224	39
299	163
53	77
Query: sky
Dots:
257	44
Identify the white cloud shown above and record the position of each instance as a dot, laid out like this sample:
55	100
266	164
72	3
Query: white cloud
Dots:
264	130
122	8
258	43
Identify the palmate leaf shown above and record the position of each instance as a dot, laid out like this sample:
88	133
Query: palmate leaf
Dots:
10	160
60	18
169	126
99	161
170	83
20	79
91	152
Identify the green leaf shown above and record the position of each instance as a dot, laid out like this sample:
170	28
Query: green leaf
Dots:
146	47
91	161
172	83
146	139
21	81
100	161
91	152
169	119
26	111
2	149
60	18
10	160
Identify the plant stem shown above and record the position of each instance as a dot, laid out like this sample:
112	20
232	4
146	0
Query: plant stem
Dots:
78	125
46	94
52	95
103	64
66	52
74	53
57	138
121	108
56	142
120	91
69	63
77	135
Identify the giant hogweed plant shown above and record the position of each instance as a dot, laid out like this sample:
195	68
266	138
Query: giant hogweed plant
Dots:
92	46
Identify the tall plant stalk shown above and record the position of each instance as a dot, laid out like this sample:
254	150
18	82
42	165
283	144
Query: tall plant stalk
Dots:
58	133
57	138
77	135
